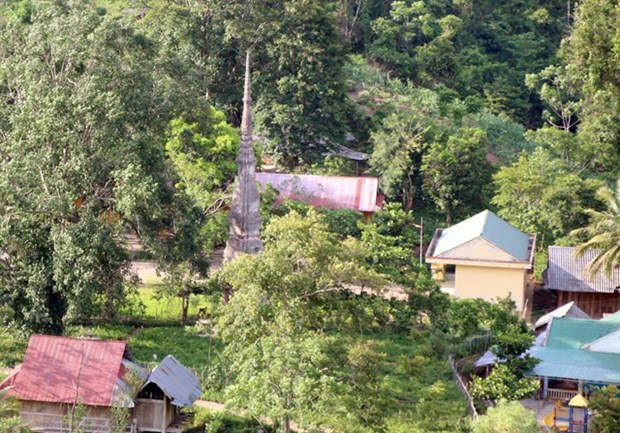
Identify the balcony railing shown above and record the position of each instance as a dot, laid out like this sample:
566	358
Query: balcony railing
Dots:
561	394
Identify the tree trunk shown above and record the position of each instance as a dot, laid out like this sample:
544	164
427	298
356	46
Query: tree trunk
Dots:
449	215
185	308
286	425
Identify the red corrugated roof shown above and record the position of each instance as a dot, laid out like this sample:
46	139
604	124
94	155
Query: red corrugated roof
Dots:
59	369
334	192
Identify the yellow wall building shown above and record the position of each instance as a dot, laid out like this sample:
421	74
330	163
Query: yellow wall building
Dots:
482	257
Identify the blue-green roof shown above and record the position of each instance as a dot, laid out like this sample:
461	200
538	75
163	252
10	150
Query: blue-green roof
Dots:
613	318
574	364
490	227
563	357
571	333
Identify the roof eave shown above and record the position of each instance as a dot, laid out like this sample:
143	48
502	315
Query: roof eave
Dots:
481	263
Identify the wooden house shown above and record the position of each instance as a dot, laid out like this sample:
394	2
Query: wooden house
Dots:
96	385
596	295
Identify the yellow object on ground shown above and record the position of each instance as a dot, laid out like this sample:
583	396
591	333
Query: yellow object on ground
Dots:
549	421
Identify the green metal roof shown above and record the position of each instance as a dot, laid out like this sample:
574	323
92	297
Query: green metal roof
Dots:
577	365
490	227
563	357
571	333
613	318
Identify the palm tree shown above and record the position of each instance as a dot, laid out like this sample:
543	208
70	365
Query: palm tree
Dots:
603	232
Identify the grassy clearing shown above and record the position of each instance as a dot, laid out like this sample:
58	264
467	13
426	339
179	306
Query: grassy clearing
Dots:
105	332
169	309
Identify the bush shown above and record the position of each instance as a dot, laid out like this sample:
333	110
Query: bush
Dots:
507	417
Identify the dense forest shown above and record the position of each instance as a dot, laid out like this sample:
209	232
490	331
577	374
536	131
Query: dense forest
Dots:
121	117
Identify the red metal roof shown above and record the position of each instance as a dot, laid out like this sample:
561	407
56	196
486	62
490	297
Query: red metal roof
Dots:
334	192
66	370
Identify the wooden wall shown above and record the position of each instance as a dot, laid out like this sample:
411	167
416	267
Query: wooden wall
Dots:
45	416
594	304
149	414
62	409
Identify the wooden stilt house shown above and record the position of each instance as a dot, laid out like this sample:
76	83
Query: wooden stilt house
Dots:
94	384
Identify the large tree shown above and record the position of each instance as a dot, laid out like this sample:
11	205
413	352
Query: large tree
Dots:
274	323
539	194
81	119
456	172
590	55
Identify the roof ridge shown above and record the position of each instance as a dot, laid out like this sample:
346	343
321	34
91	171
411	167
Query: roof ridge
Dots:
484	222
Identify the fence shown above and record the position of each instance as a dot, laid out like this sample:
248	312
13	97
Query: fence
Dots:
463	388
472	345
50	423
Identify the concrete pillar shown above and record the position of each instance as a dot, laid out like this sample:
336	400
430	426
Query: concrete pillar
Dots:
545	387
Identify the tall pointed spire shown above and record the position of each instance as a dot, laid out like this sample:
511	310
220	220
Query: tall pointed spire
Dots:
244	219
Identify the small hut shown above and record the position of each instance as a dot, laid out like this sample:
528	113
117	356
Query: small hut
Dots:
93	384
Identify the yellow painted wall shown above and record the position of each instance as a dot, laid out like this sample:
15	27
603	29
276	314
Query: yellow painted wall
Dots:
490	283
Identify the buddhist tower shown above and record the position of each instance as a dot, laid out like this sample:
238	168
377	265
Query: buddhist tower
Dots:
244	219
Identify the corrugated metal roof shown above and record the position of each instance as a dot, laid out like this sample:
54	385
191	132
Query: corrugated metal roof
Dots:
571	333
176	381
488	226
564	356
65	370
489	358
609	343
566	310
122	395
333	192
612	318
566	272
577	365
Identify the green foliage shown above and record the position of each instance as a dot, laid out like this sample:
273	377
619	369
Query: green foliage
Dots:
456	173
607	407
539	194
223	422
81	160
9	415
104	332
202	148
502	383
590	61
399	143
505	139
603	232
469	317
192	348
301	105
477	49
506	380
506	417
12	347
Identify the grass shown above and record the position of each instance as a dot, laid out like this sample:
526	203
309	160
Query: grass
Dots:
105	332
169	309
